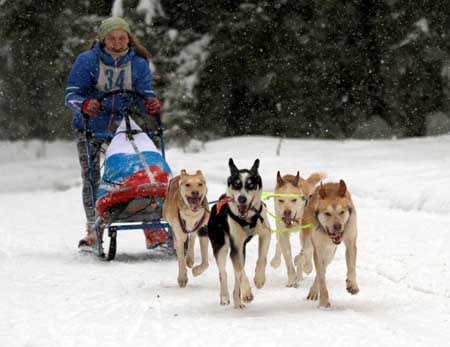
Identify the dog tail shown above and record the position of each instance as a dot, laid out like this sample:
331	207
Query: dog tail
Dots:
316	177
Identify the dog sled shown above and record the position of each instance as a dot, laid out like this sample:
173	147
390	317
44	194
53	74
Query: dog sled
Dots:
134	182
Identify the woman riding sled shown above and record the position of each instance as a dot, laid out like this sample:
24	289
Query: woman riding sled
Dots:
116	61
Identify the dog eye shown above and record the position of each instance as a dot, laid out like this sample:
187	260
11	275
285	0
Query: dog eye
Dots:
328	214
294	200
341	213
281	201
200	184
188	185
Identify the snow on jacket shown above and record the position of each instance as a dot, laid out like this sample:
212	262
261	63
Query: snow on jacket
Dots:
95	73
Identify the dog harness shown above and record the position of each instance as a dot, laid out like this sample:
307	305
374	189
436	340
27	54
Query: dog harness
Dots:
243	222
196	226
224	200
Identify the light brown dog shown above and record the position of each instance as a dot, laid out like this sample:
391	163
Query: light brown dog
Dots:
186	210
289	212
333	217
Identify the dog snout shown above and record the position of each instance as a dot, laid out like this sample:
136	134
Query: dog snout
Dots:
287	213
242	199
195	194
337	227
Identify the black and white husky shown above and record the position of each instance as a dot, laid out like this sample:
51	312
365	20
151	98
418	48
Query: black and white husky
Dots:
235	219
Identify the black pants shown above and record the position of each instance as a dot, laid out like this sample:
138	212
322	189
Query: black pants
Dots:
87	193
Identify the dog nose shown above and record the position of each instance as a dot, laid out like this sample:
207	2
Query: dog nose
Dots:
242	199
337	227
195	194
287	213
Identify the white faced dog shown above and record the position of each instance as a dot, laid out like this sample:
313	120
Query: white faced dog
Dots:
235	219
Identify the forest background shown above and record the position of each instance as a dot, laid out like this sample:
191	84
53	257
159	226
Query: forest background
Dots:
288	68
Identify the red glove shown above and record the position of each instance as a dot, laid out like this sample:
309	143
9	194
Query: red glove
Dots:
153	106
91	107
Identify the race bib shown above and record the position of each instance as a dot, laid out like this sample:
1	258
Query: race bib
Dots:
113	78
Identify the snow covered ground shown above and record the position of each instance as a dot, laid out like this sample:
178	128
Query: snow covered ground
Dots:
52	295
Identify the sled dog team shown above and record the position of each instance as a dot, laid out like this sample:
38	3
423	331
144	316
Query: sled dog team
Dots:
324	215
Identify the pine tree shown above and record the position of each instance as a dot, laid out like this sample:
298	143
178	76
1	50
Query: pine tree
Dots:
40	41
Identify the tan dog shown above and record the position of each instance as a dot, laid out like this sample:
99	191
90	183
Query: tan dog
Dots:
289	211
333	217
186	210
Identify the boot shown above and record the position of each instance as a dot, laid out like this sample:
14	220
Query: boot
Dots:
155	237
88	240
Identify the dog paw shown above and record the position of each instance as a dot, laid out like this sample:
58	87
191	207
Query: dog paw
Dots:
198	270
247	297
260	281
224	300
352	287
239	306
302	264
275	262
182	280
189	261
292	285
293	281
325	305
313	295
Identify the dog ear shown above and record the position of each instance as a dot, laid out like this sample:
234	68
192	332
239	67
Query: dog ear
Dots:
280	180
342	188
233	167
183	172
199	172
255	167
297	179
322	192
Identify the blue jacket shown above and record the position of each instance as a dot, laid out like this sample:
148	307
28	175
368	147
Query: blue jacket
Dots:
95	73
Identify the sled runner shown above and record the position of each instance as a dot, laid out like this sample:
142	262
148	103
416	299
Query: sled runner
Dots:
134	182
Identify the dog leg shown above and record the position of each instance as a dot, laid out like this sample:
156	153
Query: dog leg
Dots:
276	260
285	243
321	268
247	295
307	256
263	249
221	261
240	278
316	289
237	281
303	261
350	257
190	250
179	247
198	270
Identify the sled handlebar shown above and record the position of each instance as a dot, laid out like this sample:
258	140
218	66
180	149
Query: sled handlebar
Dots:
127	109
121	91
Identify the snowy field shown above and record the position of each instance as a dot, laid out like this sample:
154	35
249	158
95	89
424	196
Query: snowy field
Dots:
52	295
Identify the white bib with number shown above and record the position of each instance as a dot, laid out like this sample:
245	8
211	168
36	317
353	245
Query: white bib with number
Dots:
111	78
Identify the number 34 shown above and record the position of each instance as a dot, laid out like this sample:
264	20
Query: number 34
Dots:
114	82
